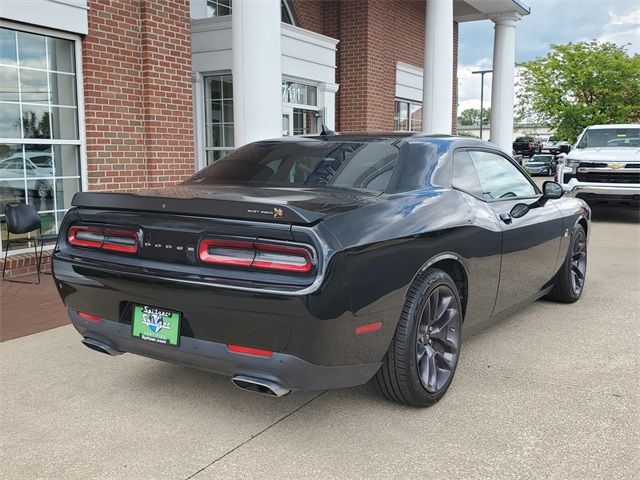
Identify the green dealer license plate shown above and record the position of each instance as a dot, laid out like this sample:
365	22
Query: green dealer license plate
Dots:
156	324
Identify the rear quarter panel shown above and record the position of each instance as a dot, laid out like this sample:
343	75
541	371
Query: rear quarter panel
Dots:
387	244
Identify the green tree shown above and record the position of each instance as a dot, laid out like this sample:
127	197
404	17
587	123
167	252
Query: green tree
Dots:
580	84
471	117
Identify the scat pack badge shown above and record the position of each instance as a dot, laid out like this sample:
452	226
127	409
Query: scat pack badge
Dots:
278	213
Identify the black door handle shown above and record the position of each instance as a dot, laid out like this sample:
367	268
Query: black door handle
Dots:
506	218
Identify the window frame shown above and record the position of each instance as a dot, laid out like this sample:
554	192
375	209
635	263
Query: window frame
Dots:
499	153
409	103
306	83
303	106
200	122
80	142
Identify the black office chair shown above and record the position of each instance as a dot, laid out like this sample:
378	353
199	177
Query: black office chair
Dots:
22	218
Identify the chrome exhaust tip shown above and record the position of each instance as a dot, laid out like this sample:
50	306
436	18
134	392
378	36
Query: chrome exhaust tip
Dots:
101	347
260	385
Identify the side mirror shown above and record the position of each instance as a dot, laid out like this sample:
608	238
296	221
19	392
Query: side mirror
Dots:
551	190
519	210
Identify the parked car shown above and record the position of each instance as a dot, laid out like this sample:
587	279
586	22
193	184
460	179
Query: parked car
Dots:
550	146
605	164
527	145
563	146
542	165
39	173
309	263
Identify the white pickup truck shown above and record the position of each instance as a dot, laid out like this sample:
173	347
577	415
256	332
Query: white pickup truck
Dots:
604	165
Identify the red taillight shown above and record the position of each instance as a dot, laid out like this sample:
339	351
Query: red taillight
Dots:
368	328
250	351
226	252
111	239
90	237
264	256
282	257
88	316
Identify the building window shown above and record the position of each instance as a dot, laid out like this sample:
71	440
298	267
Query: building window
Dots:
299	93
408	116
40	146
221	8
300	113
218	96
286	13
218	8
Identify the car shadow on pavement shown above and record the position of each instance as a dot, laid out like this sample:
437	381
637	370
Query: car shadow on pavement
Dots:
611	212
194	383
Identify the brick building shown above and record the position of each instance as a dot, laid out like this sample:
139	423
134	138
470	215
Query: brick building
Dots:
130	94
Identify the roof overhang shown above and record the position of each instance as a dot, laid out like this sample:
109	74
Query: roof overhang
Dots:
472	10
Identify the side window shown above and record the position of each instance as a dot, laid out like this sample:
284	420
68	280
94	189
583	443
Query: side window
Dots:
499	177
465	177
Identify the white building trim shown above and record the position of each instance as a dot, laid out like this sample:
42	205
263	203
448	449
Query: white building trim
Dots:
64	15
408	82
437	82
81	142
502	80
306	57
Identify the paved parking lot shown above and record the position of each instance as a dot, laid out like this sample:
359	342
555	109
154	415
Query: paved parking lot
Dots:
552	392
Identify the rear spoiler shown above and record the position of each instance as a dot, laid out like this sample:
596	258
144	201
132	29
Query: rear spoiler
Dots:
202	207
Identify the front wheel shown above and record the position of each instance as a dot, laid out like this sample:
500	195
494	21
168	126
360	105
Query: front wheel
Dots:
572	275
422	359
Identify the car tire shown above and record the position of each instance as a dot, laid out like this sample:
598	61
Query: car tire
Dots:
422	358
571	277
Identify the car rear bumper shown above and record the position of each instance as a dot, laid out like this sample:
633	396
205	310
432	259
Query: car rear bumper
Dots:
288	371
314	339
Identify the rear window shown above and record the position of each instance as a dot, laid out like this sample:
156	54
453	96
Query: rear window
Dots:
360	165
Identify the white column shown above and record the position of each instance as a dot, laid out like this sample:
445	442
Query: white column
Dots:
198	120
327	102
257	70
437	88
502	86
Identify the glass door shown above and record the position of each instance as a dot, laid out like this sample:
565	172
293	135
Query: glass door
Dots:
287	121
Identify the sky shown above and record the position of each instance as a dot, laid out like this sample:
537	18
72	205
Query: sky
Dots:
550	22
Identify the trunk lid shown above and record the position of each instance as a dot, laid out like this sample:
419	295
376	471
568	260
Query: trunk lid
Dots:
303	206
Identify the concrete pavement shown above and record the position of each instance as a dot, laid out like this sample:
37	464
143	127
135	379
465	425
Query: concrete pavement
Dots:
551	392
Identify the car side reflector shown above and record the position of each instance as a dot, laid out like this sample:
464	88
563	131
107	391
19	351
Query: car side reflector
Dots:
249	351
89	317
368	328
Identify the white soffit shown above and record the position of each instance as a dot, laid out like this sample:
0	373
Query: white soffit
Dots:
471	10
64	15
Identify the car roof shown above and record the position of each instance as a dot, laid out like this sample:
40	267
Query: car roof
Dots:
614	125
388	137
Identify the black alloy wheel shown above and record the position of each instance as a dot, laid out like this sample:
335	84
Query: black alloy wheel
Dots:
419	366
571	278
578	262
438	339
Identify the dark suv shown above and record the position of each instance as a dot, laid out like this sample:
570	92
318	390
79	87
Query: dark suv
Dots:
527	145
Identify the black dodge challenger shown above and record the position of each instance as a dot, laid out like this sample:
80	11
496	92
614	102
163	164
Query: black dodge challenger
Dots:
322	262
